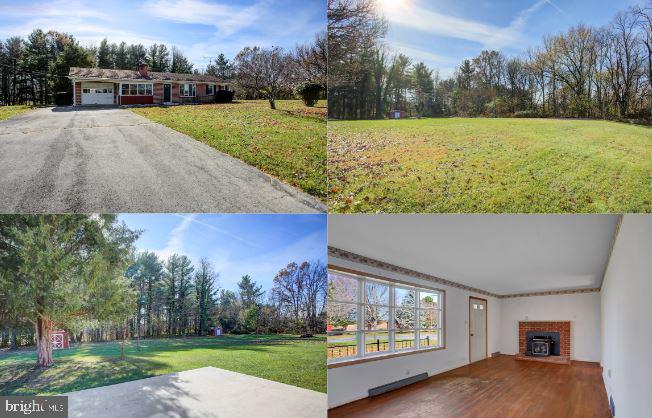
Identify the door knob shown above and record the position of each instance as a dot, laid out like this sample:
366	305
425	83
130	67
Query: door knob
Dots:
471	334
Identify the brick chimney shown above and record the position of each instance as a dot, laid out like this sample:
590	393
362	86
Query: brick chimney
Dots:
142	69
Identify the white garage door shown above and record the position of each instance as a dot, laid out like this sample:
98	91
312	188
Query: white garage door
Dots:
97	93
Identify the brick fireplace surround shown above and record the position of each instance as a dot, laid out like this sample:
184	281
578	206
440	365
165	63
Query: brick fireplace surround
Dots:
562	327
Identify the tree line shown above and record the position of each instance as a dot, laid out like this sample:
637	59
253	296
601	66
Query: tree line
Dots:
82	274
594	72
34	70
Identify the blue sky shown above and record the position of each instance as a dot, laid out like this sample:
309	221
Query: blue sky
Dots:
201	28
258	245
442	33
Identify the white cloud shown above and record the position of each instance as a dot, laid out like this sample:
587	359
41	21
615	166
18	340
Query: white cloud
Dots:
490	36
174	243
86	31
58	8
193	219
225	18
262	23
263	266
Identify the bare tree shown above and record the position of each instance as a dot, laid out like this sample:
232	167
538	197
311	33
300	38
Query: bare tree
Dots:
312	60
625	60
268	72
644	20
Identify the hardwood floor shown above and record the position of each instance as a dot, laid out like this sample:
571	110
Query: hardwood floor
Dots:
497	387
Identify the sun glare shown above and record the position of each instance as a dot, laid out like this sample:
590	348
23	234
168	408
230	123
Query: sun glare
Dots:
391	5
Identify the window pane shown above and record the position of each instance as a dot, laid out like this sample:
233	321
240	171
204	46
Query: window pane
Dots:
342	288
149	89
429	338
404	340
376	342
342	317
429	299
193	91
375	317
403	297
342	344
125	89
428	318
133	89
404	318
376	293
141	89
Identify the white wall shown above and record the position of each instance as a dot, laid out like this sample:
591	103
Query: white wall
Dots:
346	384
582	309
626	319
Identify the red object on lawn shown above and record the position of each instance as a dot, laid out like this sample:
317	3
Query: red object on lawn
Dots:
59	339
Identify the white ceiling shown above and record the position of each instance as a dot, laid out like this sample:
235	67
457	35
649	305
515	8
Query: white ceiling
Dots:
502	254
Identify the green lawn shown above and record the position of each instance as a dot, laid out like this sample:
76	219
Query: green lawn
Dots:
284	359
289	142
9	111
489	165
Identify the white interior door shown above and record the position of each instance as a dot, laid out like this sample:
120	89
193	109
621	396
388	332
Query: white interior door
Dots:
477	329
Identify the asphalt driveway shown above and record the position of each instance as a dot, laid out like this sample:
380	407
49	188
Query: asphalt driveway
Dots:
111	160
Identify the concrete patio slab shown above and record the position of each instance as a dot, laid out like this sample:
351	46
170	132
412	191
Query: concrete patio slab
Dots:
204	392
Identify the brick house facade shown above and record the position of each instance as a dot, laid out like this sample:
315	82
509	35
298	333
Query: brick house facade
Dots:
98	86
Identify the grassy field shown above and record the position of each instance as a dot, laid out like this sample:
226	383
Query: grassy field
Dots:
281	358
489	165
9	111
289	142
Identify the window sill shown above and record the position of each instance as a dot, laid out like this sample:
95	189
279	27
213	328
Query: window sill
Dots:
381	357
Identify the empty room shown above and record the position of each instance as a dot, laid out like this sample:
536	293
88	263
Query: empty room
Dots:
489	315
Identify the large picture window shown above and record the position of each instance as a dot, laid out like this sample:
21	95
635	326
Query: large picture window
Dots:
136	89
371	317
188	90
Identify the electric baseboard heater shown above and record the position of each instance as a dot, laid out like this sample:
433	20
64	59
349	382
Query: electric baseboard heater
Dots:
396	385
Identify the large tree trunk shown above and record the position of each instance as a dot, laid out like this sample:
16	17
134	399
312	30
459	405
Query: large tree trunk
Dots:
44	341
14	342
272	102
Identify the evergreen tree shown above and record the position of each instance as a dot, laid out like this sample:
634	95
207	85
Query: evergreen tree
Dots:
104	55
180	64
250	291
67	268
135	55
205	288
121	56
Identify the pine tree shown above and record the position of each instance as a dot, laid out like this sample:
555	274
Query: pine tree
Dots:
104	55
180	64
68	268
121	57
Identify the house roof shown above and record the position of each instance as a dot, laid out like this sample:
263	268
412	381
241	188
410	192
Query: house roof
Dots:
104	73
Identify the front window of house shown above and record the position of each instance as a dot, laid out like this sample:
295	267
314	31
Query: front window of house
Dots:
136	89
210	89
188	90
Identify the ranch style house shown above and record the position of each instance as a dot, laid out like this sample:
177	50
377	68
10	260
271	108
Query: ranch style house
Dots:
100	86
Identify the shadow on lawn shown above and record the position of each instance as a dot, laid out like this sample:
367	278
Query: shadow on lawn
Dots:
68	374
